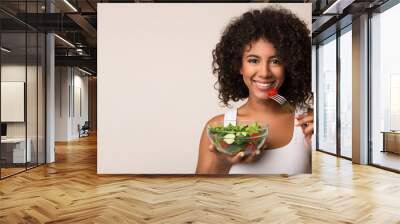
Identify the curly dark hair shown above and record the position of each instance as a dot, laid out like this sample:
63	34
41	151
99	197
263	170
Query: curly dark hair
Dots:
290	37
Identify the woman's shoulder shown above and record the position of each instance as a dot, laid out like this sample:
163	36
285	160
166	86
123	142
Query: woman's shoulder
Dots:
217	118
229	114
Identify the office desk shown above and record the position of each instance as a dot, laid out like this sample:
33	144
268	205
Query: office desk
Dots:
391	141
15	148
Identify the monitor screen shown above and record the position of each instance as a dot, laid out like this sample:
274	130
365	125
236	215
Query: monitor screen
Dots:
3	129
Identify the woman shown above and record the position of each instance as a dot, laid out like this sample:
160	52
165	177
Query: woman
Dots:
260	50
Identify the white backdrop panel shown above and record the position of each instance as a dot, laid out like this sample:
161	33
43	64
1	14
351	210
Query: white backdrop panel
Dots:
155	83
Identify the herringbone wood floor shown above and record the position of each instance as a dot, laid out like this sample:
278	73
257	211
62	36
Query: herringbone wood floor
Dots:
70	191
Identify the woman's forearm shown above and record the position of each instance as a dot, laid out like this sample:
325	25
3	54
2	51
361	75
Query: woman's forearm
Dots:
214	167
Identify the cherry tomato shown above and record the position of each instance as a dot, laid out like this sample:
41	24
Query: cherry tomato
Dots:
223	144
272	92
253	136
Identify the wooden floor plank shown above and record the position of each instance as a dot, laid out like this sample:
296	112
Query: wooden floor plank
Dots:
70	191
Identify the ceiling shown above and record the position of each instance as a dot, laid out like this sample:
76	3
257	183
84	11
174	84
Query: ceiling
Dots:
76	22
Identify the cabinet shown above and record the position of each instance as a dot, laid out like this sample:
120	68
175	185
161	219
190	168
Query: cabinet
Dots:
391	141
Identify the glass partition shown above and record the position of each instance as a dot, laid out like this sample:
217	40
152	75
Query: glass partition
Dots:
22	77
326	90
13	110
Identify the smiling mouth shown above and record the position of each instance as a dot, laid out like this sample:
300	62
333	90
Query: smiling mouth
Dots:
264	85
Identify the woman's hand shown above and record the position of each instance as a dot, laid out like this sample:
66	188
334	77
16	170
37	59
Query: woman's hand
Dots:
306	121
246	156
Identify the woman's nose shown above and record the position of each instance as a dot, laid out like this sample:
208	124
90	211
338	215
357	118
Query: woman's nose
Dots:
265	71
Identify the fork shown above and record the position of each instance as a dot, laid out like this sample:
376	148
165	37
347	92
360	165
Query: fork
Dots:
273	94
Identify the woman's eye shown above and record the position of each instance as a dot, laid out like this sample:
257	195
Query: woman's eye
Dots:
253	61
275	61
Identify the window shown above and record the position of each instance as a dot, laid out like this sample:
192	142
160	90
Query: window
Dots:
346	92
327	95
385	88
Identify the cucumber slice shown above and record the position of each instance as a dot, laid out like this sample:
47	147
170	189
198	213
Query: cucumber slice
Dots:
229	138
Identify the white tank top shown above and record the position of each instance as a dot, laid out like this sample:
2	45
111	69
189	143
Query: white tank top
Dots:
293	158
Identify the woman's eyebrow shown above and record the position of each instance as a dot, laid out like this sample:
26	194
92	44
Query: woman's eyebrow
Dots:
256	56
252	55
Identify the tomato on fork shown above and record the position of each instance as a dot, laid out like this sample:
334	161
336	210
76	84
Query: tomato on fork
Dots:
272	92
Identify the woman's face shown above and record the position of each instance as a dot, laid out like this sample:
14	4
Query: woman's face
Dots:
261	68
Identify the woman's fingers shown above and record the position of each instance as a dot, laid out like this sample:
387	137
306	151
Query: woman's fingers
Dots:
308	130
236	158
243	156
305	120
232	159
252	155
211	148
308	139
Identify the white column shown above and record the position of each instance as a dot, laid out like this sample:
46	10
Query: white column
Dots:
360	90
50	93
50	100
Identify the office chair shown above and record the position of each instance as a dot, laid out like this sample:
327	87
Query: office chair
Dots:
84	130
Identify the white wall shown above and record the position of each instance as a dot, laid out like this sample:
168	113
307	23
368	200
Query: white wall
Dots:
67	117
61	103
155	84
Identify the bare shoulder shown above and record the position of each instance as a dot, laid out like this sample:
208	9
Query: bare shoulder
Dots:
204	141
206	158
218	118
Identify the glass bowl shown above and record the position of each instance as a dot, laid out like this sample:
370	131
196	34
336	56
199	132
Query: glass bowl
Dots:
232	139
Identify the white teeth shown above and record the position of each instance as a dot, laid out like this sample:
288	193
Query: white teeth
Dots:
263	85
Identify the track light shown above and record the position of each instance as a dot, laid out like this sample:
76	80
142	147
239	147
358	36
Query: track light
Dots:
337	7
84	71
5	50
64	40
70	5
